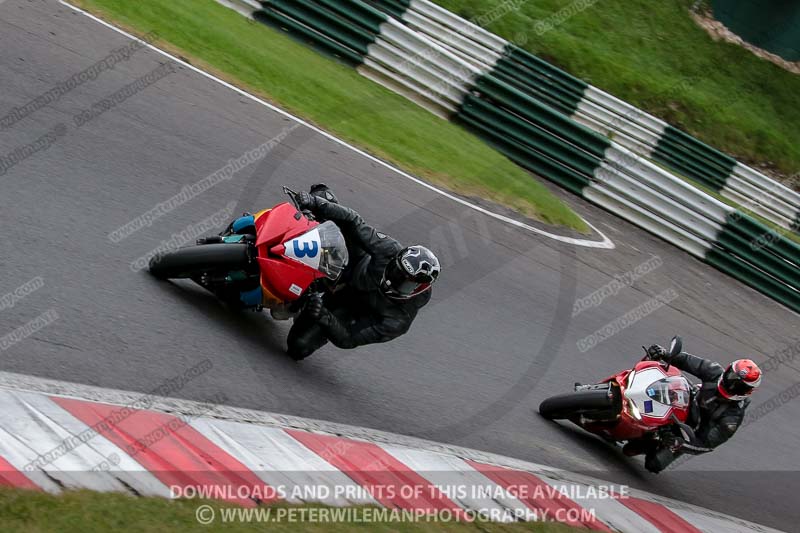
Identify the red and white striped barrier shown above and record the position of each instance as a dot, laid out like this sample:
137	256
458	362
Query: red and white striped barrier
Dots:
56	435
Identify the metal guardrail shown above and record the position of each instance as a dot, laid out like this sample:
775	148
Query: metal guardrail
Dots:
633	128
542	119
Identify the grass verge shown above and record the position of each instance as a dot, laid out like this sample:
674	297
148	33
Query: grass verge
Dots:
26	511
653	55
272	65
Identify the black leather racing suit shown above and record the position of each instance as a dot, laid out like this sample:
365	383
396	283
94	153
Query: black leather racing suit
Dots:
713	417
358	312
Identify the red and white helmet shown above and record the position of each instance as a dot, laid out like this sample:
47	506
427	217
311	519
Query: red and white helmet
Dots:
739	380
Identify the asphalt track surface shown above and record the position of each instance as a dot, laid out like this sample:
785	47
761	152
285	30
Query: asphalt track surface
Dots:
498	337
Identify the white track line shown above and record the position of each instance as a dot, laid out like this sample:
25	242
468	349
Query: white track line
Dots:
606	243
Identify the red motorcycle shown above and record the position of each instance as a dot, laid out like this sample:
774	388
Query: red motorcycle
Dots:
290	255
650	401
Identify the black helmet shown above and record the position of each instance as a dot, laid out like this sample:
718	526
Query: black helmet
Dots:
412	271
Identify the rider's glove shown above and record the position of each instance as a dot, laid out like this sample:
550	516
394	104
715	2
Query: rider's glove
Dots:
656	352
305	200
315	308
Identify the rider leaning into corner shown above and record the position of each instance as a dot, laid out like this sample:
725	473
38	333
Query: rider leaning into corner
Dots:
379	294
717	409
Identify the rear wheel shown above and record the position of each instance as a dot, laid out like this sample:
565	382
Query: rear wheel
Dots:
591	403
194	261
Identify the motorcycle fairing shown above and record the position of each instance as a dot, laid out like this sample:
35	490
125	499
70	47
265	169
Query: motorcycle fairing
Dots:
280	224
305	248
627	426
283	278
637	391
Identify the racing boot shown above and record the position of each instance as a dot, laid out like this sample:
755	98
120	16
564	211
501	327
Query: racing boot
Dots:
636	447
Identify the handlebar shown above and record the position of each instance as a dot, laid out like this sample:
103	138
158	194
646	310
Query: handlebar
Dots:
688	432
675	348
647	357
292	195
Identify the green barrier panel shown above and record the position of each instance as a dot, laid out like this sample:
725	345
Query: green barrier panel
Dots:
568	83
684	143
767	237
688	168
395	8
706	152
680	168
751	276
698	168
365	16
528	135
326	23
277	19
709	168
526	158
764	237
541	115
547	93
671	152
733	241
534	71
680	165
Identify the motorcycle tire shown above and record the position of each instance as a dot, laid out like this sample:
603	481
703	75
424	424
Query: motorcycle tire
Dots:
567	406
195	260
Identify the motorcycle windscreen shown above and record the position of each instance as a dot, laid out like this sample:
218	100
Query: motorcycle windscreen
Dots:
671	390
322	248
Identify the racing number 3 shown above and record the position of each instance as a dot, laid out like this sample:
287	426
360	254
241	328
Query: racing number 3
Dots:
308	250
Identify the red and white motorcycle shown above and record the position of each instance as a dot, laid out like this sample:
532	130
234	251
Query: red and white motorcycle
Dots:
649	401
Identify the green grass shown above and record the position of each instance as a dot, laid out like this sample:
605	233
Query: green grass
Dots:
334	96
26	511
653	55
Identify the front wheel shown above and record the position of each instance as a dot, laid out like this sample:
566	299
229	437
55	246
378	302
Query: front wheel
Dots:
567	406
196	260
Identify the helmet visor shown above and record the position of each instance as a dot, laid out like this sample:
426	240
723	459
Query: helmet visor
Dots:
396	281
672	390
734	384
